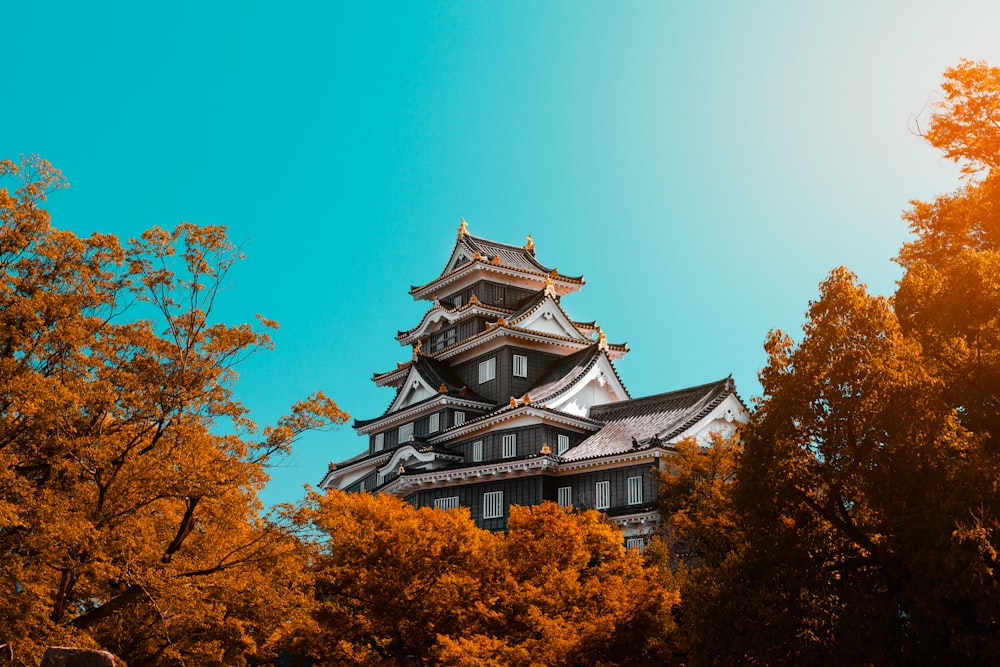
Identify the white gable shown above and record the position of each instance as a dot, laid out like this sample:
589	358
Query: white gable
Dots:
723	420
549	318
413	390
599	386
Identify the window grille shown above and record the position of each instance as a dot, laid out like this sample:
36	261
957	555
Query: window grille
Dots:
562	445
379	441
635	543
487	370
451	502
477	451
510	446
459	417
565	496
434	423
520	366
493	505
635	490
405	431
603	496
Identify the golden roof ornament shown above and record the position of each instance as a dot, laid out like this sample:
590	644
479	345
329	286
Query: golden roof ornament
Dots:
473	300
418	348
501	322
526	400
463	229
546	450
550	287
401	469
602	340
513	402
530	245
443	389
496	259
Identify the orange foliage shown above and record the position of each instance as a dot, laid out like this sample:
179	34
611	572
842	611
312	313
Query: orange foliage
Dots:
126	521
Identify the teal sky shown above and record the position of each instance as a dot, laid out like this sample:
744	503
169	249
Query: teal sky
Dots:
704	165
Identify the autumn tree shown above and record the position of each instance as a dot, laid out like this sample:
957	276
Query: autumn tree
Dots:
397	583
866	491
128	521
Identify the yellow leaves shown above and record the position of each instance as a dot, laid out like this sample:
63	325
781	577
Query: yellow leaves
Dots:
125	522
396	581
966	125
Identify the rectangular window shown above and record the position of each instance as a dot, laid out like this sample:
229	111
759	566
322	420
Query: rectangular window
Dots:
459	417
361	486
510	446
379	441
602	496
493	505
635	543
487	370
434	423
451	502
565	496
443	340
477	451
635	490
520	366
563	444
405	433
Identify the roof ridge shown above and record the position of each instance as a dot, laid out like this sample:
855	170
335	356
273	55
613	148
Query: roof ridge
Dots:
706	389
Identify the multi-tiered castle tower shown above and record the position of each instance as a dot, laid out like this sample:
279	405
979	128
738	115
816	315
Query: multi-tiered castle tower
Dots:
507	400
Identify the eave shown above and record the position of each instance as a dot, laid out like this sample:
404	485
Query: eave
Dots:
438	312
468	273
520	412
364	427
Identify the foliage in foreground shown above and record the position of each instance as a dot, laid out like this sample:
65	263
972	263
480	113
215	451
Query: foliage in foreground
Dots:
866	499
397	583
126	522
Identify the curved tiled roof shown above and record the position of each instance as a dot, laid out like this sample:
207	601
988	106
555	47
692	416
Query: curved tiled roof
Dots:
437	374
500	255
665	415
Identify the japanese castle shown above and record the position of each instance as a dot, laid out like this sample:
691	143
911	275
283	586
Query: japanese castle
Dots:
508	401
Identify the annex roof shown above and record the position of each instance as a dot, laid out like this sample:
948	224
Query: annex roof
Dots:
473	251
661	417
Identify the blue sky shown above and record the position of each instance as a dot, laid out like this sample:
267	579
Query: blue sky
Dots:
704	165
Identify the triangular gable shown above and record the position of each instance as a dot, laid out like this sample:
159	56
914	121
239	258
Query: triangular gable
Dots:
598	386
723	419
549	317
413	390
461	254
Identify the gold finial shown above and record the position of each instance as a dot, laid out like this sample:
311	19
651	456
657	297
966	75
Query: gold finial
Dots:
476	255
443	389
550	287
401	469
555	272
496	259
530	245
418	349
546	450
602	340
463	229
526	400
513	402
501	322
331	467
473	300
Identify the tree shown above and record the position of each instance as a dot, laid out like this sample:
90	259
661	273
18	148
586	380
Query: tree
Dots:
127	522
398	583
866	491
